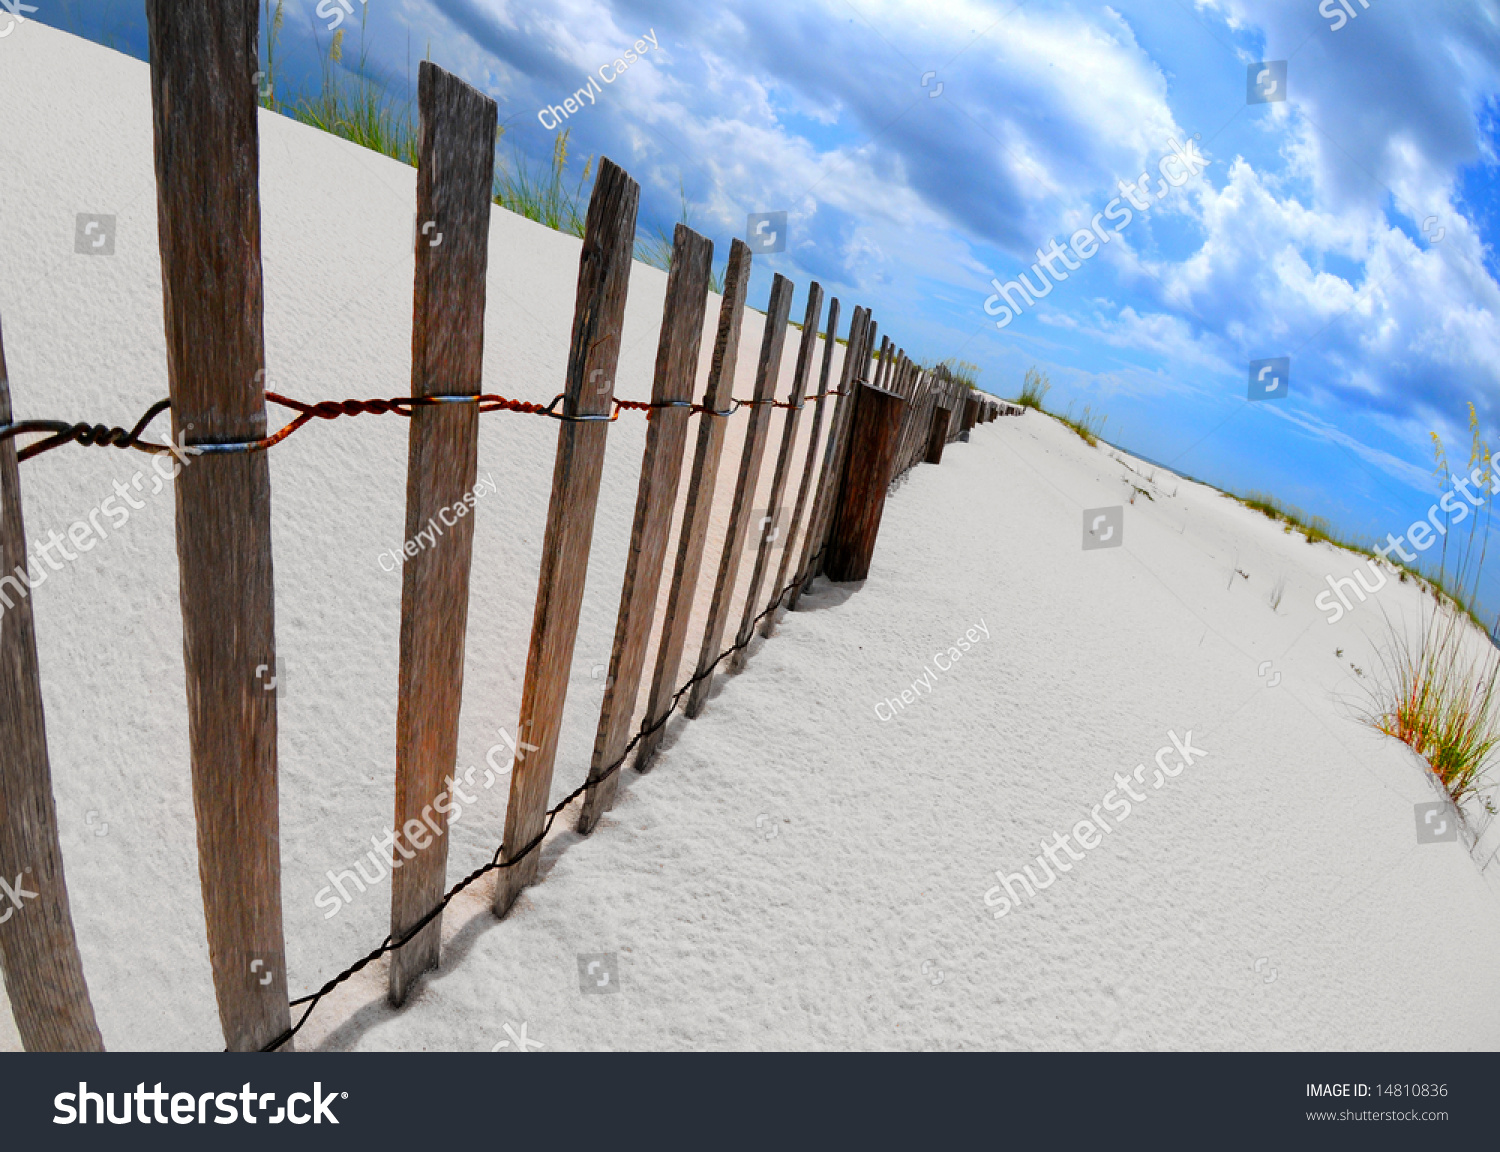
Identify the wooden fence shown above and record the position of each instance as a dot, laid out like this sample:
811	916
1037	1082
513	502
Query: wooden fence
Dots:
883	416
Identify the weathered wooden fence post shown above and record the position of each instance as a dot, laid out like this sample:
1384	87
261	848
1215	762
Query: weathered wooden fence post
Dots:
766	374
49	997
693	535
203	95
455	172
656	497
937	436
804	486
805	351
603	279
829	472
872	444
971	413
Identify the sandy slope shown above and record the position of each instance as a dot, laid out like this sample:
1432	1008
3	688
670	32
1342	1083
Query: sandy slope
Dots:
862	921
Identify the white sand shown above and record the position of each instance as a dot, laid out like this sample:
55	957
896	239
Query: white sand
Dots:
1292	841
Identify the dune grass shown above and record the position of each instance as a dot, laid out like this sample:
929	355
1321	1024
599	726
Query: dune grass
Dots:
351	102
545	196
355	104
1034	389
1445	704
1432	694
1089	427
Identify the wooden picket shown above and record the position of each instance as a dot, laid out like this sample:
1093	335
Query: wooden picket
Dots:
805	352
603	280
828	471
661	468
693	535
208	220
455	163
804	486
49	998
766	373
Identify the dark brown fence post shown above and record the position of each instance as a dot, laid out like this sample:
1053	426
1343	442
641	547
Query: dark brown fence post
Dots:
872	444
971	413
804	486
693	535
455	171
766	374
49	998
603	279
656	497
805	352
937	436
829	471
203	58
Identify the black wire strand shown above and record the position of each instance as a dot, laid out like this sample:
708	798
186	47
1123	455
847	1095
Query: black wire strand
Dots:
390	944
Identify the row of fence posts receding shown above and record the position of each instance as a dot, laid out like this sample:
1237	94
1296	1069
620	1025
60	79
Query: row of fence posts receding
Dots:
865	434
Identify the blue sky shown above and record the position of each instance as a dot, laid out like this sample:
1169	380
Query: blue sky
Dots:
1312	233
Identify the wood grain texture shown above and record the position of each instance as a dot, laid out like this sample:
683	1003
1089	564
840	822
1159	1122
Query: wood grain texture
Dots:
937	436
805	484
49	998
806	350
603	280
919	422
856	362
692	537
971	413
766	373
656	497
203	59
872	444
455	170
880	373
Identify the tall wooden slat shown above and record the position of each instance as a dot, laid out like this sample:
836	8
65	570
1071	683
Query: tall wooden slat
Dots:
455	171
938	435
661	468
766	374
827	474
856	360
804	486
603	278
796	396
203	57
872	443
918	422
693	535
49	998
850	461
